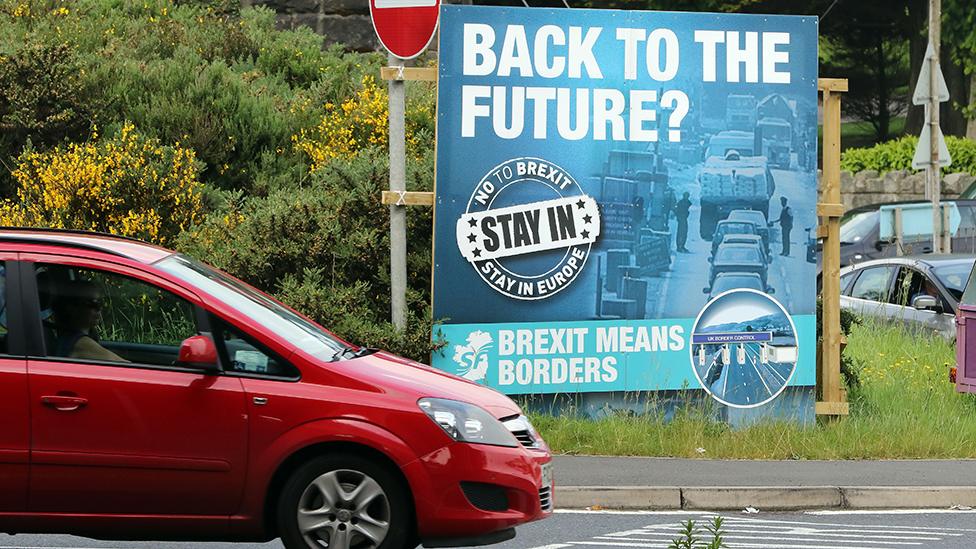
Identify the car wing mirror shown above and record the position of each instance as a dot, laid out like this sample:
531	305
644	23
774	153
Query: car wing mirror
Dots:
706	289
199	352
926	303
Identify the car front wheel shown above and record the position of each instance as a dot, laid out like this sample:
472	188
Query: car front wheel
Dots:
344	502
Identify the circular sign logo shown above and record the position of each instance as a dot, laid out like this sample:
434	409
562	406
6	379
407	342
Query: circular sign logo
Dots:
744	348
528	228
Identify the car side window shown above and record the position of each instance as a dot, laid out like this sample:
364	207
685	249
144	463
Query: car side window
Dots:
873	284
90	314
845	281
242	354
911	284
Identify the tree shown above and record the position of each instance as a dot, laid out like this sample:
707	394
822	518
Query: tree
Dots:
864	42
959	29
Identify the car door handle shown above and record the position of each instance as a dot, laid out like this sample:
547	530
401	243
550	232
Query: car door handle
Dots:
63	403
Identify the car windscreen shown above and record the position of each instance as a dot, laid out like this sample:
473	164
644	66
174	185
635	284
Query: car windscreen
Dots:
858	226
249	302
954	277
738	255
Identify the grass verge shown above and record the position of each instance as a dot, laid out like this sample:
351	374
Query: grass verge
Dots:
902	407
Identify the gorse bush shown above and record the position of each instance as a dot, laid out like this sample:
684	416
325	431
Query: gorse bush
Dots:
362	120
127	184
897	154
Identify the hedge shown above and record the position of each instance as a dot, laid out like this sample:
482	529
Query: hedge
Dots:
897	155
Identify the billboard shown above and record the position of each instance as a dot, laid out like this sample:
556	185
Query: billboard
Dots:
624	202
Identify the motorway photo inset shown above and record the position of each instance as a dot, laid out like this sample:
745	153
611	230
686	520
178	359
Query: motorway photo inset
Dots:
743	348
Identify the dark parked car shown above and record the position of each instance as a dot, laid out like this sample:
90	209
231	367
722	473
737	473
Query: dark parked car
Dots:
861	240
738	258
919	292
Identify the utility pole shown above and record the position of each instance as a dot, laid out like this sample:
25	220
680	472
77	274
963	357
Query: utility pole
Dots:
934	170
398	211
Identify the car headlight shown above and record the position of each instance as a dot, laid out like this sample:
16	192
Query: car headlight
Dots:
466	422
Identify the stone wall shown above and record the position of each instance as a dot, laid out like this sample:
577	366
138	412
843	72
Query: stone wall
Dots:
343	21
869	187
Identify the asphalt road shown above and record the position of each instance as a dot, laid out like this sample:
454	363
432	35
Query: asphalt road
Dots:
565	530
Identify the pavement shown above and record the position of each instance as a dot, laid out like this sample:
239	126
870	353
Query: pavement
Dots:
692	484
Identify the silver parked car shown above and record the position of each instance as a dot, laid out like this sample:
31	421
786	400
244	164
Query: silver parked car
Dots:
920	292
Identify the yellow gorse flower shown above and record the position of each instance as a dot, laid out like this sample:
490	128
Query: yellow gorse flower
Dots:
356	123
127	185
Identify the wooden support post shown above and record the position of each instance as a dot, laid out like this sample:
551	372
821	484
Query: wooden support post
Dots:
831	398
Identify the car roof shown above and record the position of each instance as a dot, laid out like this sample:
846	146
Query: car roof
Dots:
736	246
731	221
877	205
928	260
121	246
749	237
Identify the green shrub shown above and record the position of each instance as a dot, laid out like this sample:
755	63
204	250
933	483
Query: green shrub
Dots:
897	155
217	78
324	248
43	101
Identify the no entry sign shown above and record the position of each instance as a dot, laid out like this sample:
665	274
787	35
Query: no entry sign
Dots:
405	27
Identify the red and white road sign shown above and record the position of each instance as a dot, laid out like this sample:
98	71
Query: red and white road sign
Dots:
405	27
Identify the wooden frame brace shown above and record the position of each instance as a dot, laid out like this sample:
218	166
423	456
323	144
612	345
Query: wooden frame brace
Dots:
407	198
825	209
413	74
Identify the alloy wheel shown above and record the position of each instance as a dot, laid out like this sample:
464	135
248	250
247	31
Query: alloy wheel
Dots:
344	509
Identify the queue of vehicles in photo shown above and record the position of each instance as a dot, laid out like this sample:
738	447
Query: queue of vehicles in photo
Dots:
736	186
740	254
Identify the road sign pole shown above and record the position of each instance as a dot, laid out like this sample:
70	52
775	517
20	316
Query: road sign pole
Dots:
398	212
934	170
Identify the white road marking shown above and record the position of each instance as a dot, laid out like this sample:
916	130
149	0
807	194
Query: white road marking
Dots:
617	512
553	546
771	536
730	545
880	527
894	512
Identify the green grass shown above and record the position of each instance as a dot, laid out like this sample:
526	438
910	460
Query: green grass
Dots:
903	408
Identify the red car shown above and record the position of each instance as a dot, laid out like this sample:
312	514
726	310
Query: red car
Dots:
144	395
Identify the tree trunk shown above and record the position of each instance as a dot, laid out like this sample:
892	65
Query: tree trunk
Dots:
918	13
884	101
971	126
950	115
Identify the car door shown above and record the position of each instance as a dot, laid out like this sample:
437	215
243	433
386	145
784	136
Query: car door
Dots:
117	427
911	283
871	292
14	409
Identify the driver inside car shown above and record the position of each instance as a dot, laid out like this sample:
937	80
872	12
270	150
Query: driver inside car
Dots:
77	312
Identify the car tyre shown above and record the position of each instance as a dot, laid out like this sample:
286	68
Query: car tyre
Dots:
345	501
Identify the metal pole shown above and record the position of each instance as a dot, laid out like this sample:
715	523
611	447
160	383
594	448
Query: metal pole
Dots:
398	213
934	171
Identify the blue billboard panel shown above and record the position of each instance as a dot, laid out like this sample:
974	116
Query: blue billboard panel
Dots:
604	175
